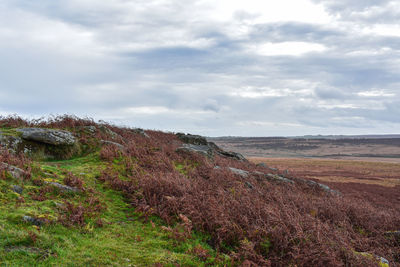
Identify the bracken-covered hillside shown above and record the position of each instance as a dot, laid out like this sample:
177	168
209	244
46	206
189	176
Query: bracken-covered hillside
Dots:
75	192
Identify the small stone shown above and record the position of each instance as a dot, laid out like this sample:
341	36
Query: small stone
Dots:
112	143
15	172
17	189
64	188
249	185
32	220
239	172
262	164
274	177
202	149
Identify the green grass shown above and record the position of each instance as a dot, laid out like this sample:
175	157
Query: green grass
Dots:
125	239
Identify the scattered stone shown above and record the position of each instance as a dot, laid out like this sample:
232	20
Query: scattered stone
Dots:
48	136
275	177
64	188
140	131
192	139
249	185
217	168
32	220
108	132
322	186
239	172
395	234
262	164
17	189
15	172
202	149
273	169
112	143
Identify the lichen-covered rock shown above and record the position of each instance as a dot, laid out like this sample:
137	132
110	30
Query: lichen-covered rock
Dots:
47	136
192	139
15	172
64	188
202	149
17	189
393	234
140	131
239	172
231	154
275	177
32	220
112	143
322	186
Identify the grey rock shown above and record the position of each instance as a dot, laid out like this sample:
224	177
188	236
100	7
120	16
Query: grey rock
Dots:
383	260
140	131
274	177
239	172
322	186
202	149
192	139
395	234
249	185
112	143
91	129
64	188
108	132
231	154
15	172
47	136
32	220
262	164
273	169
217	168
17	189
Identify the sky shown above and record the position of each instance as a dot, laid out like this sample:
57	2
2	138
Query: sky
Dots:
209	67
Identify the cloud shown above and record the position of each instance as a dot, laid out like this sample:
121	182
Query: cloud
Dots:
207	67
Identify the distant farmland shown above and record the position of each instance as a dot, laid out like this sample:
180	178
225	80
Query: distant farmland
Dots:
328	147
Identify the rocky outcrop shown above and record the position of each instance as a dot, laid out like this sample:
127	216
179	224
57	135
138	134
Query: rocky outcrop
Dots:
202	149
48	136
192	139
197	140
231	154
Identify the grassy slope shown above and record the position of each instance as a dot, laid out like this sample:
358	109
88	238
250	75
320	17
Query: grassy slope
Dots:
124	240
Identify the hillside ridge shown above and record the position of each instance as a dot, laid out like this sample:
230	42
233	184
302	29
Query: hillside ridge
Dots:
78	192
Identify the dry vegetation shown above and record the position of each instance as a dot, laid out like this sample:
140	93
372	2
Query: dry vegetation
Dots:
265	224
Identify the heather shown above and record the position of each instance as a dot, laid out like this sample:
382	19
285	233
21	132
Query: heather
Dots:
137	188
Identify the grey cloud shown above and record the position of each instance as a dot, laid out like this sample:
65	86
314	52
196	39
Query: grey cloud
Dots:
159	57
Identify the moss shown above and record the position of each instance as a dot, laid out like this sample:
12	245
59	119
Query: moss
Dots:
124	238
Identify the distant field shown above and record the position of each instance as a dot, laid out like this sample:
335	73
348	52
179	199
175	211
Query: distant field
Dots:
303	147
377	182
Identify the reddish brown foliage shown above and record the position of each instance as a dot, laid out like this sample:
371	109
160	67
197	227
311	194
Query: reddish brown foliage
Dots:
266	223
76	214
302	226
73	181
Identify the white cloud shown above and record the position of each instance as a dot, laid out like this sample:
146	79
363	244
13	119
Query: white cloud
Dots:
286	48
375	93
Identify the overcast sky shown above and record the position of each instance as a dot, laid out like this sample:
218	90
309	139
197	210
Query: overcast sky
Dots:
211	67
